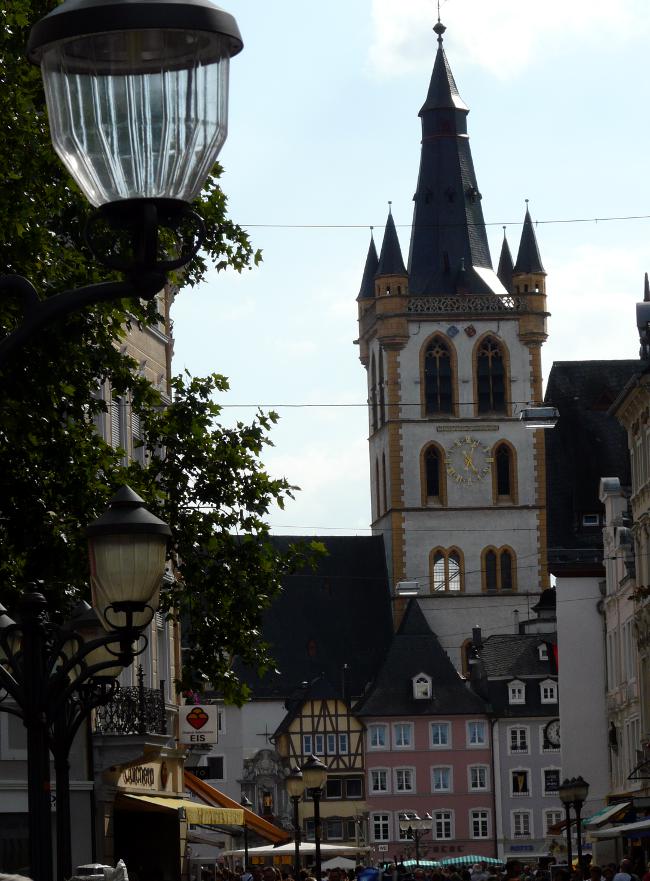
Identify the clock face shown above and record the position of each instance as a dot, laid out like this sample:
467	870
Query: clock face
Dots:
552	732
468	461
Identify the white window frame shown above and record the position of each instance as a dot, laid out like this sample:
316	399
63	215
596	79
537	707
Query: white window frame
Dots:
551	685
447	818
384	818
550	793
450	778
407	772
344	744
340	820
408	726
555	814
386	773
516	692
542	651
319	739
307	745
486	772
441	725
486	819
330	738
422	693
529	779
518	752
376	727
530	834
479	745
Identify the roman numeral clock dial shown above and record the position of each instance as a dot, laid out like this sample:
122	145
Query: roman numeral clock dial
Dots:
468	461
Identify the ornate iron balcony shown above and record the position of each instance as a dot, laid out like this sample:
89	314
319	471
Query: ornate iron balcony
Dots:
133	710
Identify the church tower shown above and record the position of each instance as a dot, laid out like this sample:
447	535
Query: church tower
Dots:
453	354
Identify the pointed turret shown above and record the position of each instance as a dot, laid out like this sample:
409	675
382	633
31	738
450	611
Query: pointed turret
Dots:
449	251
391	277
367	290
506	266
646	289
528	259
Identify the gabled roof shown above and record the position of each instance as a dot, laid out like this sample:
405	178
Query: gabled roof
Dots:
367	289
318	690
506	658
390	258
415	649
528	259
335	615
586	444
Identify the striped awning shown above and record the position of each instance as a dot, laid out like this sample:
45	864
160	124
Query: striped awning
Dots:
469	860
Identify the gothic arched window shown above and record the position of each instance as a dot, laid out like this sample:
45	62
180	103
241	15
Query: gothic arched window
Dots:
491	377
504	473
373	396
446	570
438	377
382	393
499	570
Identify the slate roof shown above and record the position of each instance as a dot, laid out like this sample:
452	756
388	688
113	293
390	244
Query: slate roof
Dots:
586	444
391	261
528	259
448	227
504	272
338	614
516	656
367	289
416	649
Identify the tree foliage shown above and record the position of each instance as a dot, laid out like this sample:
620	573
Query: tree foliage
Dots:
57	474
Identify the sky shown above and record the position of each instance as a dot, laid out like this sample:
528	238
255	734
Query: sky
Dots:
324	131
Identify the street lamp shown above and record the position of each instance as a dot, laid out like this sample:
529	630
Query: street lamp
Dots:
53	675
574	793
295	788
415	827
137	98
247	804
314	773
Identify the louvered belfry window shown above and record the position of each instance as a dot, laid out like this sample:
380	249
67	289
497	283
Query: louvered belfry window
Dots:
437	378
490	374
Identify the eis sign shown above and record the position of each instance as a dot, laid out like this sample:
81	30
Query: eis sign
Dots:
198	723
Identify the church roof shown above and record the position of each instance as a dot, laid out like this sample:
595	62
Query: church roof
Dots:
528	259
336	614
391	261
367	289
416	649
448	233
586	444
504	272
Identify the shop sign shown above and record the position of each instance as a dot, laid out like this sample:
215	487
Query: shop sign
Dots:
198	723
139	777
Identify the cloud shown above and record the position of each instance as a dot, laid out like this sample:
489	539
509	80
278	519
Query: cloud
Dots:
503	36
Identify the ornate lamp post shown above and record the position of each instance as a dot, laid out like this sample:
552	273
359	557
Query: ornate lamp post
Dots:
314	773
52	676
296	788
415	827
247	804
137	98
574	793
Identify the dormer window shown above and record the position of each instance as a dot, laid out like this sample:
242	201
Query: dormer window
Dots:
517	692
422	687
542	649
548	691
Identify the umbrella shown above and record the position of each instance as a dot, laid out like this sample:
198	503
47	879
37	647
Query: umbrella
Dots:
339	863
470	859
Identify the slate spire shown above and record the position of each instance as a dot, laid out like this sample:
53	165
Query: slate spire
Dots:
448	225
506	266
528	259
391	261
367	289
646	289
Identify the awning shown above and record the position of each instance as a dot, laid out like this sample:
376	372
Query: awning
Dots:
306	847
195	811
253	821
640	829
601	817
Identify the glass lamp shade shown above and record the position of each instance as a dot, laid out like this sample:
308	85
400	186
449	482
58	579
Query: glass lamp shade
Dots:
314	773
127	548
137	93
295	783
581	790
566	791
